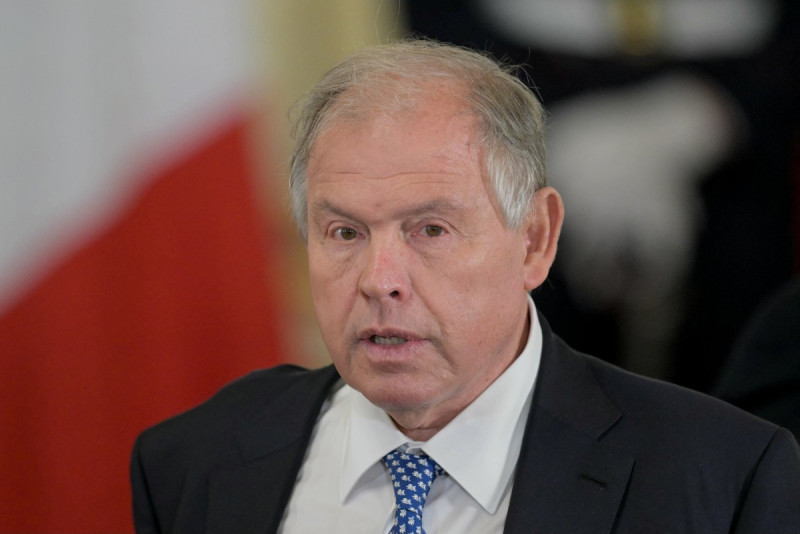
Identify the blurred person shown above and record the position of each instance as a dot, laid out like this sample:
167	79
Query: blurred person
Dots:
419	185
762	374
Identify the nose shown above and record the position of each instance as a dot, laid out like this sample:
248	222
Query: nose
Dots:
384	273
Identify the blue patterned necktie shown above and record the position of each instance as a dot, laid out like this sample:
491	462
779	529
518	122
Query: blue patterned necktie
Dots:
412	476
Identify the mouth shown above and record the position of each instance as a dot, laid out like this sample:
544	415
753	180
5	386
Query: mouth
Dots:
390	346
387	337
387	340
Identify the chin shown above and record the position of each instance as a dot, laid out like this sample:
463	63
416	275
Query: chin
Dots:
393	396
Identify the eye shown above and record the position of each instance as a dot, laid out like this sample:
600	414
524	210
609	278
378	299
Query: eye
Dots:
433	230
345	234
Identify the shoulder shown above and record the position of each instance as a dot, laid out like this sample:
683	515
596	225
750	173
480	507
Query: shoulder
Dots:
251	418
267	385
664	404
645	416
285	392
708	450
671	428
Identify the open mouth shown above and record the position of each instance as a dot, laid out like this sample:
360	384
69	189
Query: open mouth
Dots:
388	340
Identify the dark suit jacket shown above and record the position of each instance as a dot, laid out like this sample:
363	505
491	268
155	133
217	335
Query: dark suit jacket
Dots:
604	451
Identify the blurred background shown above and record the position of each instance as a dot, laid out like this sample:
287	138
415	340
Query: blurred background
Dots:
147	256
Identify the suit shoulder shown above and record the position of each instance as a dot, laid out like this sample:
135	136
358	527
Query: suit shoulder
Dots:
650	394
215	419
694	456
267	383
671	413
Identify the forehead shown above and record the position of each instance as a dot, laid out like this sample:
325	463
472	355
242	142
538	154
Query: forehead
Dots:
437	134
392	168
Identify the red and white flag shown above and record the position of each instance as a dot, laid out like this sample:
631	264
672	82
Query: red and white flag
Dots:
135	258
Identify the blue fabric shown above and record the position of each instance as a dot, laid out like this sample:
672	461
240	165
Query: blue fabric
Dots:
412	476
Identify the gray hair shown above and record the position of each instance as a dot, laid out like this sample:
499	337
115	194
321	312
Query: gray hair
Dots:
395	76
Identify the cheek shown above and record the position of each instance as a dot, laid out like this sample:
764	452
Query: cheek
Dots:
484	290
327	261
327	265
328	290
493	271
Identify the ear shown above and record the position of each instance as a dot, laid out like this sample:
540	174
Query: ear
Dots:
541	236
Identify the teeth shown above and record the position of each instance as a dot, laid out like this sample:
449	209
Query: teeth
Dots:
393	340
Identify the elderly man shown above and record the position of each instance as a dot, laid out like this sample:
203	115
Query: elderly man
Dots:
418	184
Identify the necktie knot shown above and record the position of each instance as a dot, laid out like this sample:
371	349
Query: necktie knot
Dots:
412	476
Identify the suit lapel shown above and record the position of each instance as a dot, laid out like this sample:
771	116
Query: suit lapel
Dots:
251	498
567	480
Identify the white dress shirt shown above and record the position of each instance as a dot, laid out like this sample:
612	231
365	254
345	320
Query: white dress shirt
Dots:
343	486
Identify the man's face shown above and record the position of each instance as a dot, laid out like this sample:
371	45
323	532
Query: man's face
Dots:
418	287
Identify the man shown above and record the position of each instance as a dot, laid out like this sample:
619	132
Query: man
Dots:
418	185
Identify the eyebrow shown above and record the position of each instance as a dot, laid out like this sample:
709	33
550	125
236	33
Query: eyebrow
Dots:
436	205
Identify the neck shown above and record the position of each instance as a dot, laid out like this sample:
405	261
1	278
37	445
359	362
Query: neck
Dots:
415	429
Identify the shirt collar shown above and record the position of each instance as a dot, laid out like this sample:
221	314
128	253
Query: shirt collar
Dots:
490	429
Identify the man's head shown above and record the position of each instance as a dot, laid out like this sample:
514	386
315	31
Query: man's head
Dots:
385	78
418	269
